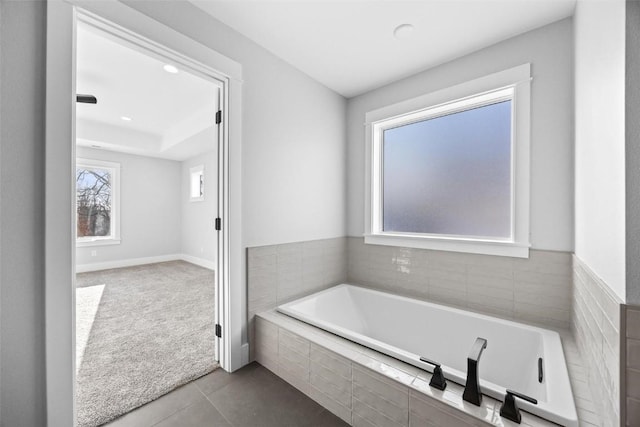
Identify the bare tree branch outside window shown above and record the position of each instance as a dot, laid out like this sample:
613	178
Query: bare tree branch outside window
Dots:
93	193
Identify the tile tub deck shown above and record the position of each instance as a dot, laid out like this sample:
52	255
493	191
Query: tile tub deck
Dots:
367	388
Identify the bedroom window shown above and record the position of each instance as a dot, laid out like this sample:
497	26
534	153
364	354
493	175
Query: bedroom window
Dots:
449	170
97	207
197	183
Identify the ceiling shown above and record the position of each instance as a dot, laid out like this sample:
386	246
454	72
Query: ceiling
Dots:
172	115
349	45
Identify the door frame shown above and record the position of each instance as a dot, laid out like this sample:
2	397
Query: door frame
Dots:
124	21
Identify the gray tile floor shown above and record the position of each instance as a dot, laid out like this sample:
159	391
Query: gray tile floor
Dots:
251	396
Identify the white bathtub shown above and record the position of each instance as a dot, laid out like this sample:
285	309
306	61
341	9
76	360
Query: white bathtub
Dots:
407	329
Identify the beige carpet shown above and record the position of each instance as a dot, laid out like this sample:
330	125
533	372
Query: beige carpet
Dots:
141	332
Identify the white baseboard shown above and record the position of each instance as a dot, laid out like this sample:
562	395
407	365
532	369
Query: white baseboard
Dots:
211	265
97	266
83	268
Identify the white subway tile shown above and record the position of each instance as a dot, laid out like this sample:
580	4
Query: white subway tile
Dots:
337	388
329	402
375	417
333	362
294	342
358	421
293	376
437	414
368	382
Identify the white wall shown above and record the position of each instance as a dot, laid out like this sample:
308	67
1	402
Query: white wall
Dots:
549	50
293	141
600	139
150	208
198	233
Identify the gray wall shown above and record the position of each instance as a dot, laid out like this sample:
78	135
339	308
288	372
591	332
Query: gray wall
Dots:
551	124
22	85
632	152
150	208
198	236
630	338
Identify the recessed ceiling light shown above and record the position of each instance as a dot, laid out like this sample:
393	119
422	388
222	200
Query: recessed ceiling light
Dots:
403	31
125	118
170	69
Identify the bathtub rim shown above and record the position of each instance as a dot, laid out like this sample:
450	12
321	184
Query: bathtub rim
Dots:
556	399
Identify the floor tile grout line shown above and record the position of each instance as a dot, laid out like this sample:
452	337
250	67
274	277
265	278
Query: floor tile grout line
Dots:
180	409
217	409
206	397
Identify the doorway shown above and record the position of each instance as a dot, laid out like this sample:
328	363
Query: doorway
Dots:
122	21
146	202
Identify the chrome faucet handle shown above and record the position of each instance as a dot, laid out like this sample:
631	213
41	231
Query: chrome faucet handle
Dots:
437	379
509	408
476	350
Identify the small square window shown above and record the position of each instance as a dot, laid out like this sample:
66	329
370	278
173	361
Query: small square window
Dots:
197	183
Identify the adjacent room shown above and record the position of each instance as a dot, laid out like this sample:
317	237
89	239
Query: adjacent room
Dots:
146	203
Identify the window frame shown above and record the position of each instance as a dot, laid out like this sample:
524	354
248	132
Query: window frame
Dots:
481	91
114	236
193	170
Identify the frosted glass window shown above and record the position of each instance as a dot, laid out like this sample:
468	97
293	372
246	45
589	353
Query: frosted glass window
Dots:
450	175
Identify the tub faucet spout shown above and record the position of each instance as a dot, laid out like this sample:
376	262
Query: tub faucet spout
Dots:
472	392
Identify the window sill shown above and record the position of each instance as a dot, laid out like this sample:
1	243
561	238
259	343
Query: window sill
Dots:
97	242
484	247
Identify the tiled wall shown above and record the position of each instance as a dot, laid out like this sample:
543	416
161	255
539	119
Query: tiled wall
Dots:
632	365
549	288
280	273
596	328
536	290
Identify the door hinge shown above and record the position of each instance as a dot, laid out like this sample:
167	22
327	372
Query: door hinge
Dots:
219	117
218	330
218	224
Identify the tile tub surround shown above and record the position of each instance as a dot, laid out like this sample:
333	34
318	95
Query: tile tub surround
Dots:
280	273
366	388
535	290
631	337
596	328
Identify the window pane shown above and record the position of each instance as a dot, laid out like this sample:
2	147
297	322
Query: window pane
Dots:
450	174
93	194
197	184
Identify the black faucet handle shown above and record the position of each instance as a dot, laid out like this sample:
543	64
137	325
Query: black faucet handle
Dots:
472	391
509	408
437	379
